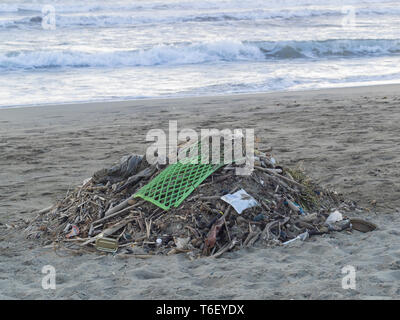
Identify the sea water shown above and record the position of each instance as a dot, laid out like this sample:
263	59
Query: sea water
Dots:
64	51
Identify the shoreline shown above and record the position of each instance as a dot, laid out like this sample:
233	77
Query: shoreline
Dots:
331	90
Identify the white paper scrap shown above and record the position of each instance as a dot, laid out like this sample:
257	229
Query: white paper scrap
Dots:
240	200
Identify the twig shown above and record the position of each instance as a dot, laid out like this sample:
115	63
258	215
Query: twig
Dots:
148	227
265	205
279	176
225	248
115	214
139	256
227	230
109	231
216	180
45	210
251	238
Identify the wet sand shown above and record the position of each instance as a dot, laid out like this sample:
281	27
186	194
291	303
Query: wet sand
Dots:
347	139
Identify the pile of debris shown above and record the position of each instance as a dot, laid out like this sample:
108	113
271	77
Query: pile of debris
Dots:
110	212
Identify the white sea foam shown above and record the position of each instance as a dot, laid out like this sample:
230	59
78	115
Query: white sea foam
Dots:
115	19
66	6
180	54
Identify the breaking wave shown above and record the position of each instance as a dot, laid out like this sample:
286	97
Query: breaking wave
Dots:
198	53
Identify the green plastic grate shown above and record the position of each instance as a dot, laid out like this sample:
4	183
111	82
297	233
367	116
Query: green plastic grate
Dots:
176	182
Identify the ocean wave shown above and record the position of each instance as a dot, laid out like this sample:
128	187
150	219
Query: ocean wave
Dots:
198	53
63	6
330	48
158	55
115	18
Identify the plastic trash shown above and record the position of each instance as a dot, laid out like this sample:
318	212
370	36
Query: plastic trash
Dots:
303	236
127	166
295	207
259	217
182	243
334	217
74	232
240	200
106	244
212	234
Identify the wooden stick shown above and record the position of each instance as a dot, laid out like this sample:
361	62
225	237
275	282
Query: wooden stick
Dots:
268	227
272	224
148	227
121	206
250	237
115	214
109	231
225	248
227	231
254	239
279	176
177	250
209	198
194	231
139	256
265	205
45	210
216	180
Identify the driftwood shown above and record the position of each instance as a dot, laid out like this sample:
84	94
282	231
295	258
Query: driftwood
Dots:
138	256
109	231
227	247
117	213
252	237
45	210
215	180
273	172
267	230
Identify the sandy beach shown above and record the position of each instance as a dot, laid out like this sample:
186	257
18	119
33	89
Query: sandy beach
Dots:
347	139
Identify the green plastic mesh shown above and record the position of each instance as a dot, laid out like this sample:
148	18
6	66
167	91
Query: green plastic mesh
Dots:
176	182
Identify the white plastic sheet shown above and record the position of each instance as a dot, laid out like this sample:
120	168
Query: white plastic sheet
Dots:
240	200
334	217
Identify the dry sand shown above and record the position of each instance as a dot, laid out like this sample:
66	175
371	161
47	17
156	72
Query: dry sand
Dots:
348	139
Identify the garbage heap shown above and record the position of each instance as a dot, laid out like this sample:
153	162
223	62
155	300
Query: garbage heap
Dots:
114	211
